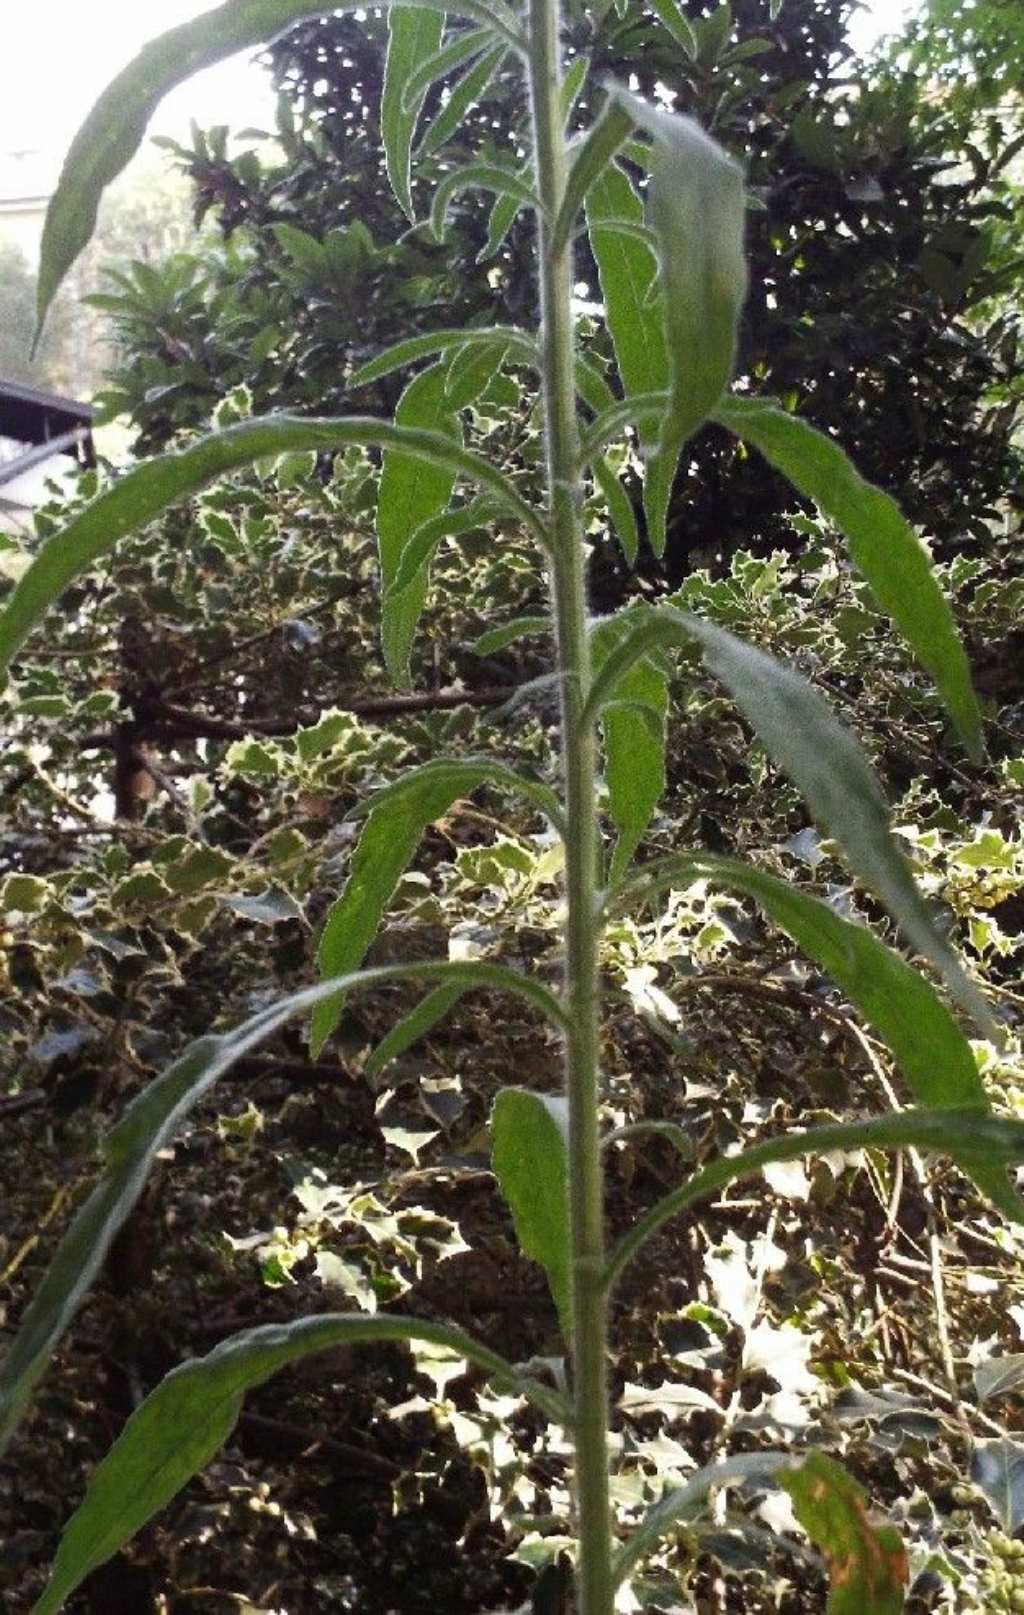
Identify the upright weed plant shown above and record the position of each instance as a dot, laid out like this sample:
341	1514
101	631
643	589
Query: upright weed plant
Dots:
664	206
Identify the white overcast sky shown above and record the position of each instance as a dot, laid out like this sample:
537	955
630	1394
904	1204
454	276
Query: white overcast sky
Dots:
59	54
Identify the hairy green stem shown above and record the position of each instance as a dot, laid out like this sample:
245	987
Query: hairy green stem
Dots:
595	1585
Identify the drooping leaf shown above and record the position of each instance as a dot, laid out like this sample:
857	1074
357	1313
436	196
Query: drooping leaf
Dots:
633	720
982	1145
821	756
420	548
697	207
529	1153
897	1001
867	1562
495	639
997	1468
464	95
628	272
405	353
414	37
683	1502
155	486
419	1021
185	1421
620	509
503	216
116	126
482	177
883	545
396	820
409	495
590	159
149	1123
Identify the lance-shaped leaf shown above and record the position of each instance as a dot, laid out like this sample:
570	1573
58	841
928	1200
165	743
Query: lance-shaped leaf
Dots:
409	495
519	343
396	820
620	509
590	159
470	42
420	548
464	95
633	720
678	25
683	1502
982	1145
824	760
419	1021
151	1121
414	37
156	485
495	639
867	1563
529	1153
478	176
184	1422
883	545
628	273
896	1000
697	207
116	126
471	369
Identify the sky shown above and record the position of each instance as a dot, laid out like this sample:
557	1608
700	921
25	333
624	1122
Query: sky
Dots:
59	54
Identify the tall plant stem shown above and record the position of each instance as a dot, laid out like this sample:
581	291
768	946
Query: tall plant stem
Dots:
568	579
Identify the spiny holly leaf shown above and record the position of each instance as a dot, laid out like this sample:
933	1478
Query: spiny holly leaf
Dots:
867	1563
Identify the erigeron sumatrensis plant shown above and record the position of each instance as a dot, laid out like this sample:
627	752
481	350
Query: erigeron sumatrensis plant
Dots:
664	207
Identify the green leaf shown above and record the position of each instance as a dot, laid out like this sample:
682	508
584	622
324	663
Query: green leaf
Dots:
116	126
183	1423
997	1469
620	509
628	274
478	176
633	719
419	551
412	1027
678	25
529	1153
684	1501
883	545
697	207
141	494
405	353
507	633
591	157
471	370
823	759
896	1000
464	95
409	495
396	820
305	251
867	1563
982	1145
572	85
414	36
456	50
150	1122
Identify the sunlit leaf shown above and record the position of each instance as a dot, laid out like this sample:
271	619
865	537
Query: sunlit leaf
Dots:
143	493
414	36
114	129
633	720
468	42
477	176
821	756
882	543
590	159
867	1562
183	1423
896	1000
396	820
410	494
422	544
529	1134
697	207
150	1122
